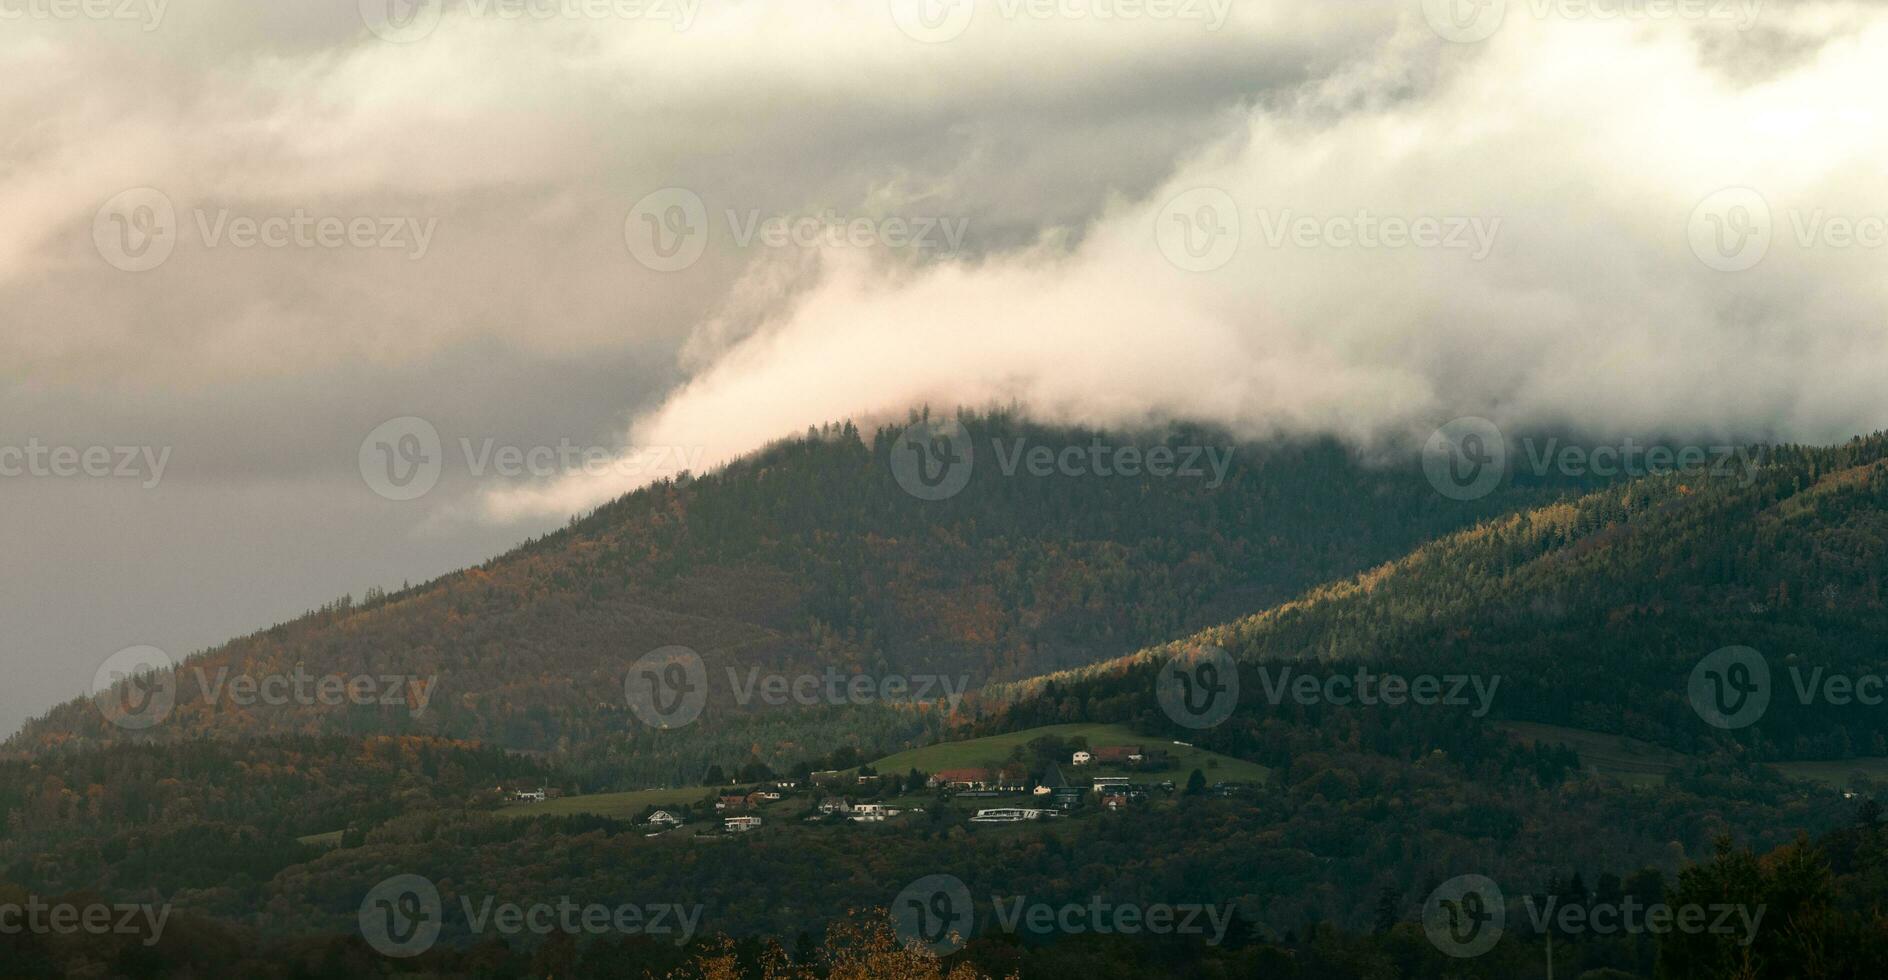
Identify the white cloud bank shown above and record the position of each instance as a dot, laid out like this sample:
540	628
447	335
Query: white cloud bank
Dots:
1582	149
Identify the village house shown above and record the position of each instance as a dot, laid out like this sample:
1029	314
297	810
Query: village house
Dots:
1105	785
741	825
1114	802
663	818
1081	758
529	795
731	803
1119	755
834	804
967	779
871	812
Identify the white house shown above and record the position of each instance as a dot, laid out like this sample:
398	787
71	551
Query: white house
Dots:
663	818
1081	759
872	812
741	825
1007	814
529	796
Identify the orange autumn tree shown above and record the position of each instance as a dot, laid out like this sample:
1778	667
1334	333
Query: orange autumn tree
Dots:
863	946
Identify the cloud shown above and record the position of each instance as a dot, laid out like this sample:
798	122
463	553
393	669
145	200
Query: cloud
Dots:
1585	157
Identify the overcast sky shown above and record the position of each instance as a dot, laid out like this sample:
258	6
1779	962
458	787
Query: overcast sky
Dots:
239	238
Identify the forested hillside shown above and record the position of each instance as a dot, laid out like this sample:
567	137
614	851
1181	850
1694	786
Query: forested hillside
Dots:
1594	612
810	555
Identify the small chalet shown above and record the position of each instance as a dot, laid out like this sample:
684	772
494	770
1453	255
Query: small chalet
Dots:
741	825
731	803
663	818
1081	758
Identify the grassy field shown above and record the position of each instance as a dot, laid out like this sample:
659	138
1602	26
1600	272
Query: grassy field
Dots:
622	806
1629	760
995	750
1839	774
1641	763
